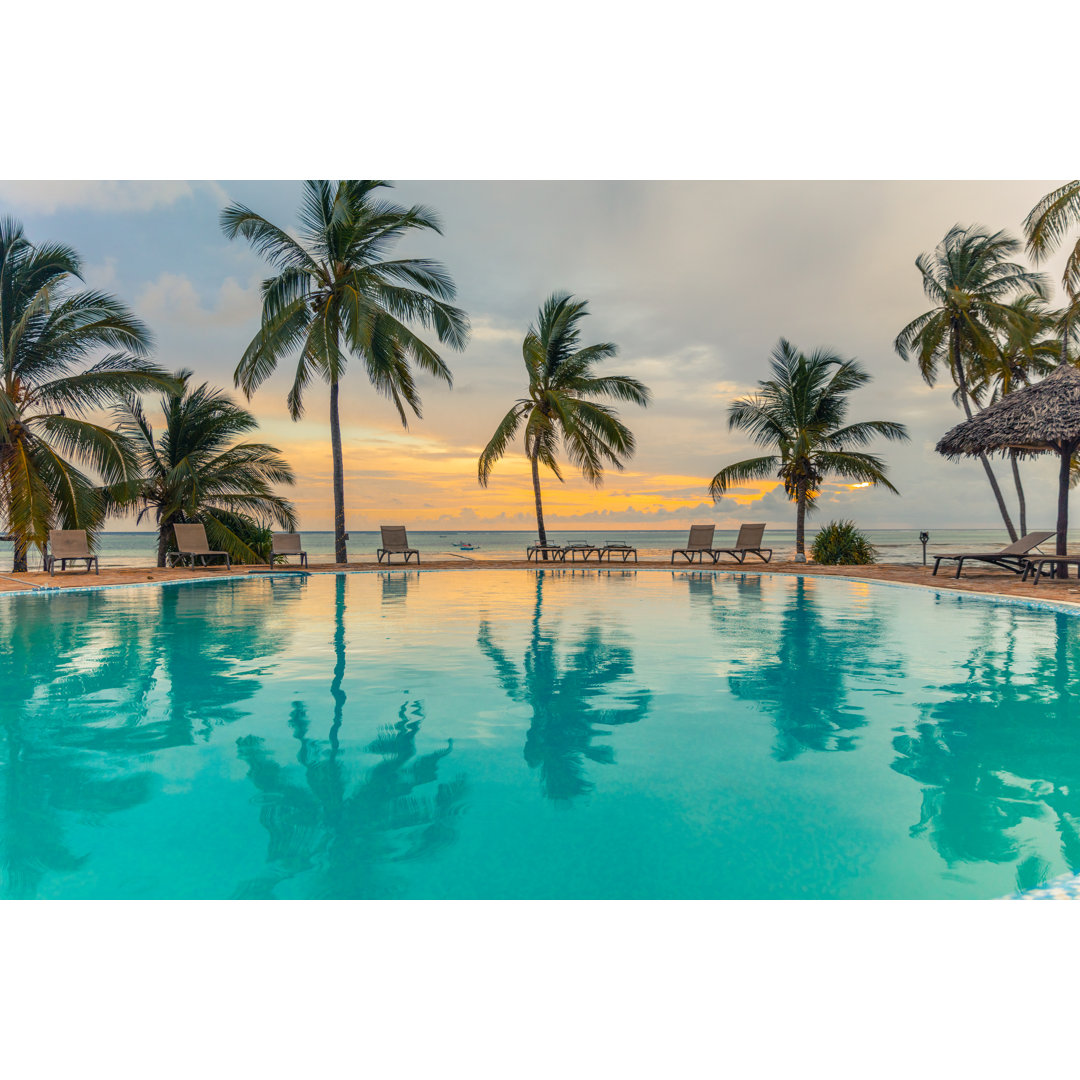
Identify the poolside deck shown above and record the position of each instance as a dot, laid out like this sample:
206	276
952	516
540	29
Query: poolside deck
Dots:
986	580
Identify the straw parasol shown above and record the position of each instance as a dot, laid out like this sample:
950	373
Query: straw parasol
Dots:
1040	419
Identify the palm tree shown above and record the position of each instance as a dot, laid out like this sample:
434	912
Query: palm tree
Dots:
562	401
970	279
801	413
1045	228
194	471
336	295
1026	350
49	333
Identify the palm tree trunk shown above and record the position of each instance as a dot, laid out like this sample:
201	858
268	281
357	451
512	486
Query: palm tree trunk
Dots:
800	523
961	382
540	532
340	553
1019	492
18	564
163	541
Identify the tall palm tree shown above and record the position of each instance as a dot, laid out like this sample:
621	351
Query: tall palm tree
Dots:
801	413
193	471
1026	351
970	279
50	331
335	295
563	402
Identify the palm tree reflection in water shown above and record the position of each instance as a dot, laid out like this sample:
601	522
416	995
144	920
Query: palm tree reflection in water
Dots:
98	694
340	830
793	670
571	704
1004	747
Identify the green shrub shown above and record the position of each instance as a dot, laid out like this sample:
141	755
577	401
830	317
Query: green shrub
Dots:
840	544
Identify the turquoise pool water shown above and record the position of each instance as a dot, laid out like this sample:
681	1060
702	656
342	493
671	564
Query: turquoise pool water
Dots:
555	733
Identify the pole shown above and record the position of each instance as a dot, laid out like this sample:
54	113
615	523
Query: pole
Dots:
924	536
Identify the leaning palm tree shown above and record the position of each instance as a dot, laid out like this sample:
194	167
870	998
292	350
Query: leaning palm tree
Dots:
336	296
50	331
1026	351
563	403
801	413
194	471
970	279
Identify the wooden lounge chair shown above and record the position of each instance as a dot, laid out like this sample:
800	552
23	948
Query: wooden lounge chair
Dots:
69	545
191	544
395	541
1008	558
748	542
538	549
699	544
287	544
617	547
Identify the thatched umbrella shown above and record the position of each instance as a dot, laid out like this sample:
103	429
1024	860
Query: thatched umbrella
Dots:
1040	419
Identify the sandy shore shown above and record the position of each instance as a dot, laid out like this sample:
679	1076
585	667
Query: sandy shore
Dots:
987	580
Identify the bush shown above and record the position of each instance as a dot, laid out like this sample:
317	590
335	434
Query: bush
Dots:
840	544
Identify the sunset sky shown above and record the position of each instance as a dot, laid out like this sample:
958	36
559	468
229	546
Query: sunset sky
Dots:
695	282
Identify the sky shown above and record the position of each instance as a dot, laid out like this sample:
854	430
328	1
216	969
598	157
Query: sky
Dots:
694	281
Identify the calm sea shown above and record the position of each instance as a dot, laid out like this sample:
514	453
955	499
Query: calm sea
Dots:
894	545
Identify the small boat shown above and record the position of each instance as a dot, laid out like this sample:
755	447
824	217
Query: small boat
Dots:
464	545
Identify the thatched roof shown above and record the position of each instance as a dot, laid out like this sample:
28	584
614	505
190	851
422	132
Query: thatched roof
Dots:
1035	419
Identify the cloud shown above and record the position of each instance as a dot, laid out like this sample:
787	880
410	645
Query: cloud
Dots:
486	331
106	196
173	298
101	275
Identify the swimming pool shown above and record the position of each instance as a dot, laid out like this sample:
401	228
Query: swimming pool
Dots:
533	734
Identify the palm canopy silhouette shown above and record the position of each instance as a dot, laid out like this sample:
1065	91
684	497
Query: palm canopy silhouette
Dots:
801	413
50	332
194	471
566	403
1045	228
970	278
337	296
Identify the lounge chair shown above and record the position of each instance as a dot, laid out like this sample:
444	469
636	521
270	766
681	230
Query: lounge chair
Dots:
699	544
538	549
572	551
69	545
286	544
1008	558
748	542
191	544
617	547
395	541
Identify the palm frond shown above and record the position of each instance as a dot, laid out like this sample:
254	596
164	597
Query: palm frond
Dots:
759	468
500	441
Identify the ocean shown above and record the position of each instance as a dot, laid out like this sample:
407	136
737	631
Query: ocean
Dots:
893	545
